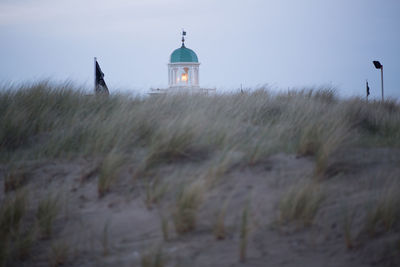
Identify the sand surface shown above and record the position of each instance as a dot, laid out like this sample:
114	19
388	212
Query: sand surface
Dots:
119	228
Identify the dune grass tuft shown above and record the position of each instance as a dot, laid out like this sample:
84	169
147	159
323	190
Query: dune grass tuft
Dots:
383	214
108	173
244	232
59	253
46	213
171	144
219	229
186	207
300	204
155	190
105	238
165	227
153	257
15	241
12	211
348	221
14	179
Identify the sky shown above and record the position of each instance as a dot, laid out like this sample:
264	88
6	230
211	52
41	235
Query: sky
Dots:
281	43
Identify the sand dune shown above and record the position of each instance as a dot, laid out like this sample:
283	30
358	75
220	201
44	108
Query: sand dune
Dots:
252	179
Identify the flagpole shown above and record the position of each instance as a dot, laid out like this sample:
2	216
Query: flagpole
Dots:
95	59
382	81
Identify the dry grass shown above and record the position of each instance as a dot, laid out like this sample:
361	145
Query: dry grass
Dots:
12	211
174	142
300	204
155	190
209	137
153	257
384	213
322	138
14	241
59	253
105	239
108	173
244	232
165	227
46	213
16	246
348	221
186	207
59	121
15	178
219	229
219	166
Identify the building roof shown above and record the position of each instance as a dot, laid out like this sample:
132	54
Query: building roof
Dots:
183	54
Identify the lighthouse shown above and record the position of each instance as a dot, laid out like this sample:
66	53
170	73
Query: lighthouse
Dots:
183	68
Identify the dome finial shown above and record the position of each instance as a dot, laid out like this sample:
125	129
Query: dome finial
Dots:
183	37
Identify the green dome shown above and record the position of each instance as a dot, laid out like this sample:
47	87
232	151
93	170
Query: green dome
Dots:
183	54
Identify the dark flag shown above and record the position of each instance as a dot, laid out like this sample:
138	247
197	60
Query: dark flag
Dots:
100	85
183	38
367	89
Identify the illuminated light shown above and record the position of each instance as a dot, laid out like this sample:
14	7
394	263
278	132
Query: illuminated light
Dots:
184	77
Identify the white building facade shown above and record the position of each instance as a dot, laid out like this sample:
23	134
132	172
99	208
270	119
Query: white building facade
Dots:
183	74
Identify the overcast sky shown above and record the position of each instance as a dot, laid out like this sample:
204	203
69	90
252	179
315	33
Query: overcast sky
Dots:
284	43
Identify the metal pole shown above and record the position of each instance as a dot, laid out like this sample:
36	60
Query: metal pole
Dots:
382	81
95	60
